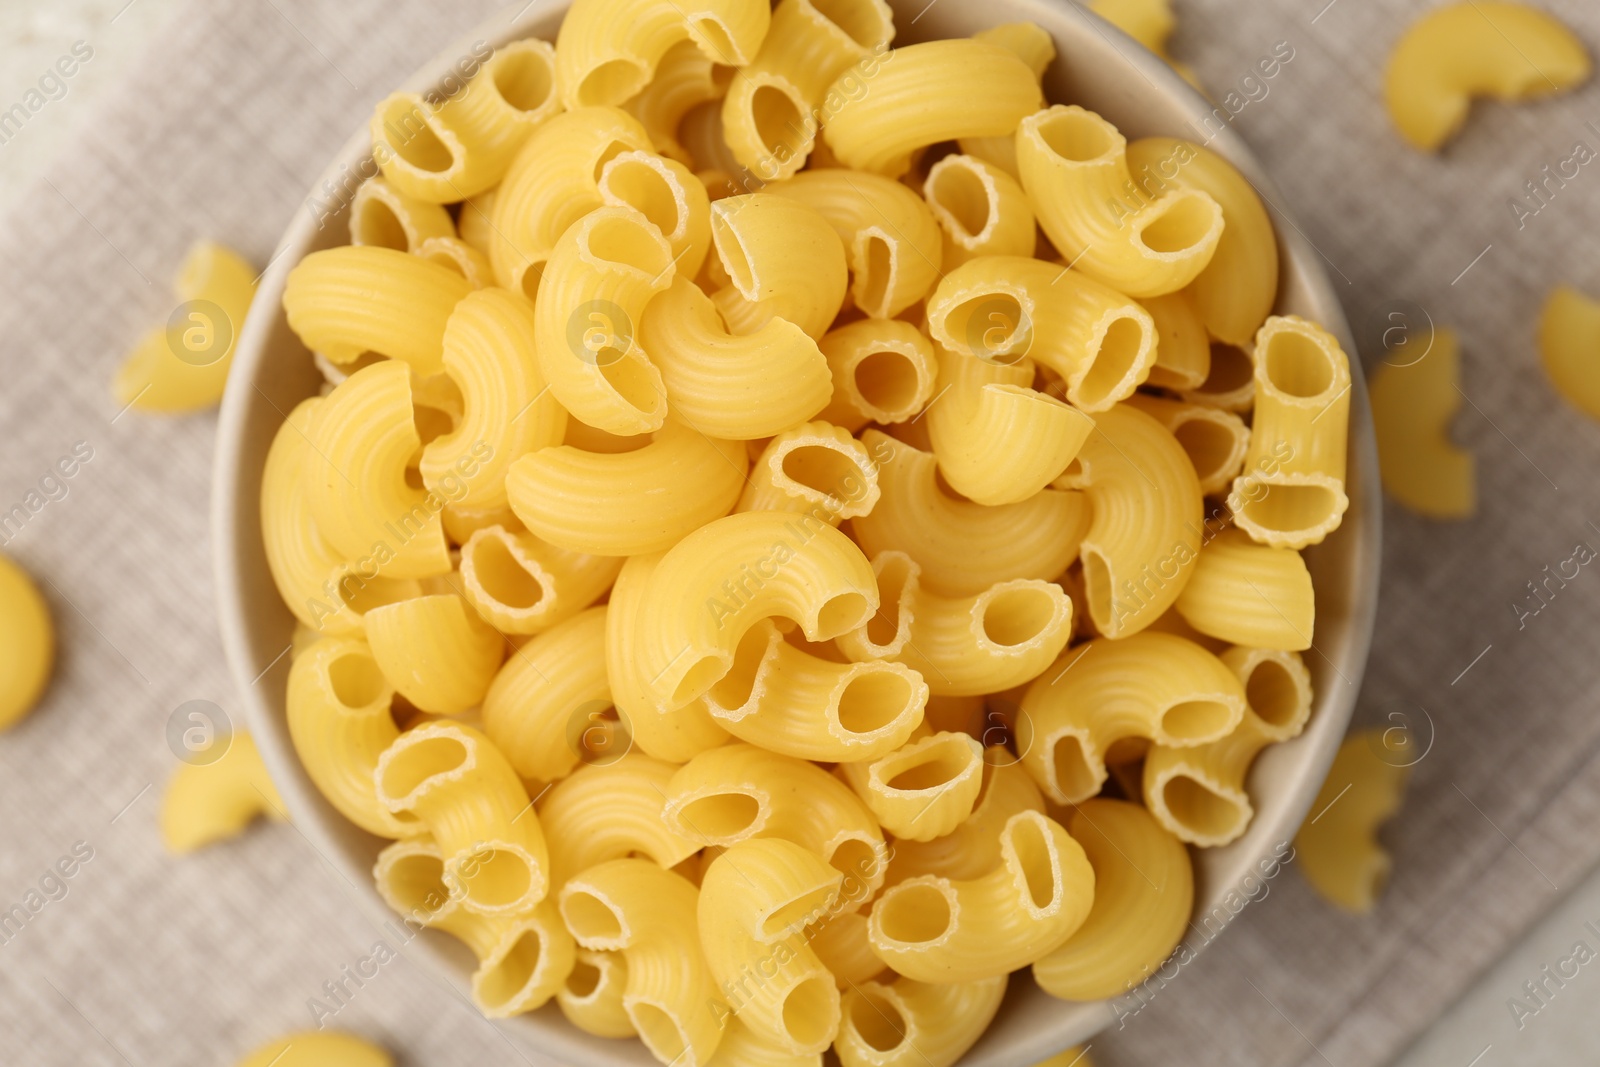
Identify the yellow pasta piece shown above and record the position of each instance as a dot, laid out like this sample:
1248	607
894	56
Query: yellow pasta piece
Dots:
1569	338
972	849
1035	47
915	1024
685	78
608	811
608	50
591	999
841	944
744	1047
784	260
477	213
455	254
1149	22
383	216
436	651
27	643
670	196
521	584
1250	594
1143	894
1183	350
1277	688
530	705
209	802
1489	48
1412	408
1214	440
815	469
922	790
184	365
980	208
318	1048
883	371
1230	382
1077	1055
1338	846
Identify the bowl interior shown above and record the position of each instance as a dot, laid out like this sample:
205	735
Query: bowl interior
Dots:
1097	67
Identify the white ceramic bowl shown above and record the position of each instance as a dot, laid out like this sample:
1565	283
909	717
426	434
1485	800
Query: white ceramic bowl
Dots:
1099	68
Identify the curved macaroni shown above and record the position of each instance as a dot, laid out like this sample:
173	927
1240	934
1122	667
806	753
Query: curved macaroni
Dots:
318	1048
530	705
608	50
382	215
591	998
915	1024
1569	331
922	790
523	585
981	209
684	79
209	802
816	469
1183	348
436	651
1338	848
670	196
1214	440
608	811
27	643
1412	408
972	849
1250	594
883	371
784	260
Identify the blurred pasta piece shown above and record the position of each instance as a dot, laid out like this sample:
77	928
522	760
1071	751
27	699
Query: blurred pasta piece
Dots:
210	802
1338	846
1149	22
1412	407
1569	345
318	1048
27	643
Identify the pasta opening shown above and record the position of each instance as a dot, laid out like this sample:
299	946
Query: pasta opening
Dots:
959	188
356	680
991	326
799	912
620	240
646	189
1231	369
735	689
412	137
611	151
1124	342
873	699
1036	859
1192	720
1014	617
415	884
914	914
720	816
697	679
1210	444
888	384
431	422
875	273
377	225
863	23
780	120
877	1021
936	767
1097	586
659	1030
446	256
494	877
612	82
826	470
502	576
841	614
529	282
1185	221
858	861
1074	777
510	976
886	624
589	918
1198	809
583	980
731	249
1272	693
811	1011
629	378
412	764
1297	365
1287	508
524	78
1077	136
714	36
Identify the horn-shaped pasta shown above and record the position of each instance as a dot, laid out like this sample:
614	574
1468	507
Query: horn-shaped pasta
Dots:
1198	793
685	78
318	1048
926	93
531	704
739	792
980	208
207	802
338	715
344	302
972	849
962	547
915	1024
591	998
1074	165
787	700
1338	847
1183	348
934	929
1413	405
733	571
1033	45
1291	493
649	915
1004	308
1569	334
1142	543
456	781
627	503
670	196
1143	894
436	651
737	387
383	216
755	901
1214	440
744	1047
607	811
922	790
554	182
523	585
784	261
1151	685
841	943
608	50
362	440
883	371
489	353
815	469
997	439
890	234
591	300
1277	687
1250	594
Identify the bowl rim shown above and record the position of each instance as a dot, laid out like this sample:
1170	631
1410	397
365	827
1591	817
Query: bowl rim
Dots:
234	493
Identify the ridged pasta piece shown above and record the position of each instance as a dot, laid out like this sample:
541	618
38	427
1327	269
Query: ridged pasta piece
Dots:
1198	793
553	182
1144	538
523	585
649	915
436	651
1183	348
627	503
784	260
972	849
1214	440
362	438
1004	308
209	802
702	137
608	811
934	929
591	998
814	469
383	216
1033	45
1230	382
318	1048
1250	594
453	778
1151	685
883	371
926	93
530	706
475	218
842	945
755	901
338	715
889	232
455	254
1149	22
915	1024
922	790
685	78
1143	894
1569	334
1508	51
608	50
1291	493
769	115
981	210
344	302
733	386
1338	848
740	792
1277	688
997	439
962	547
1074	165
1235	292
790	701
668	194
1413	405
743	1047
739	569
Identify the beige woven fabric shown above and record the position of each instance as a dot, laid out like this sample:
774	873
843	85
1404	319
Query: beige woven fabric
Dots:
148	960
